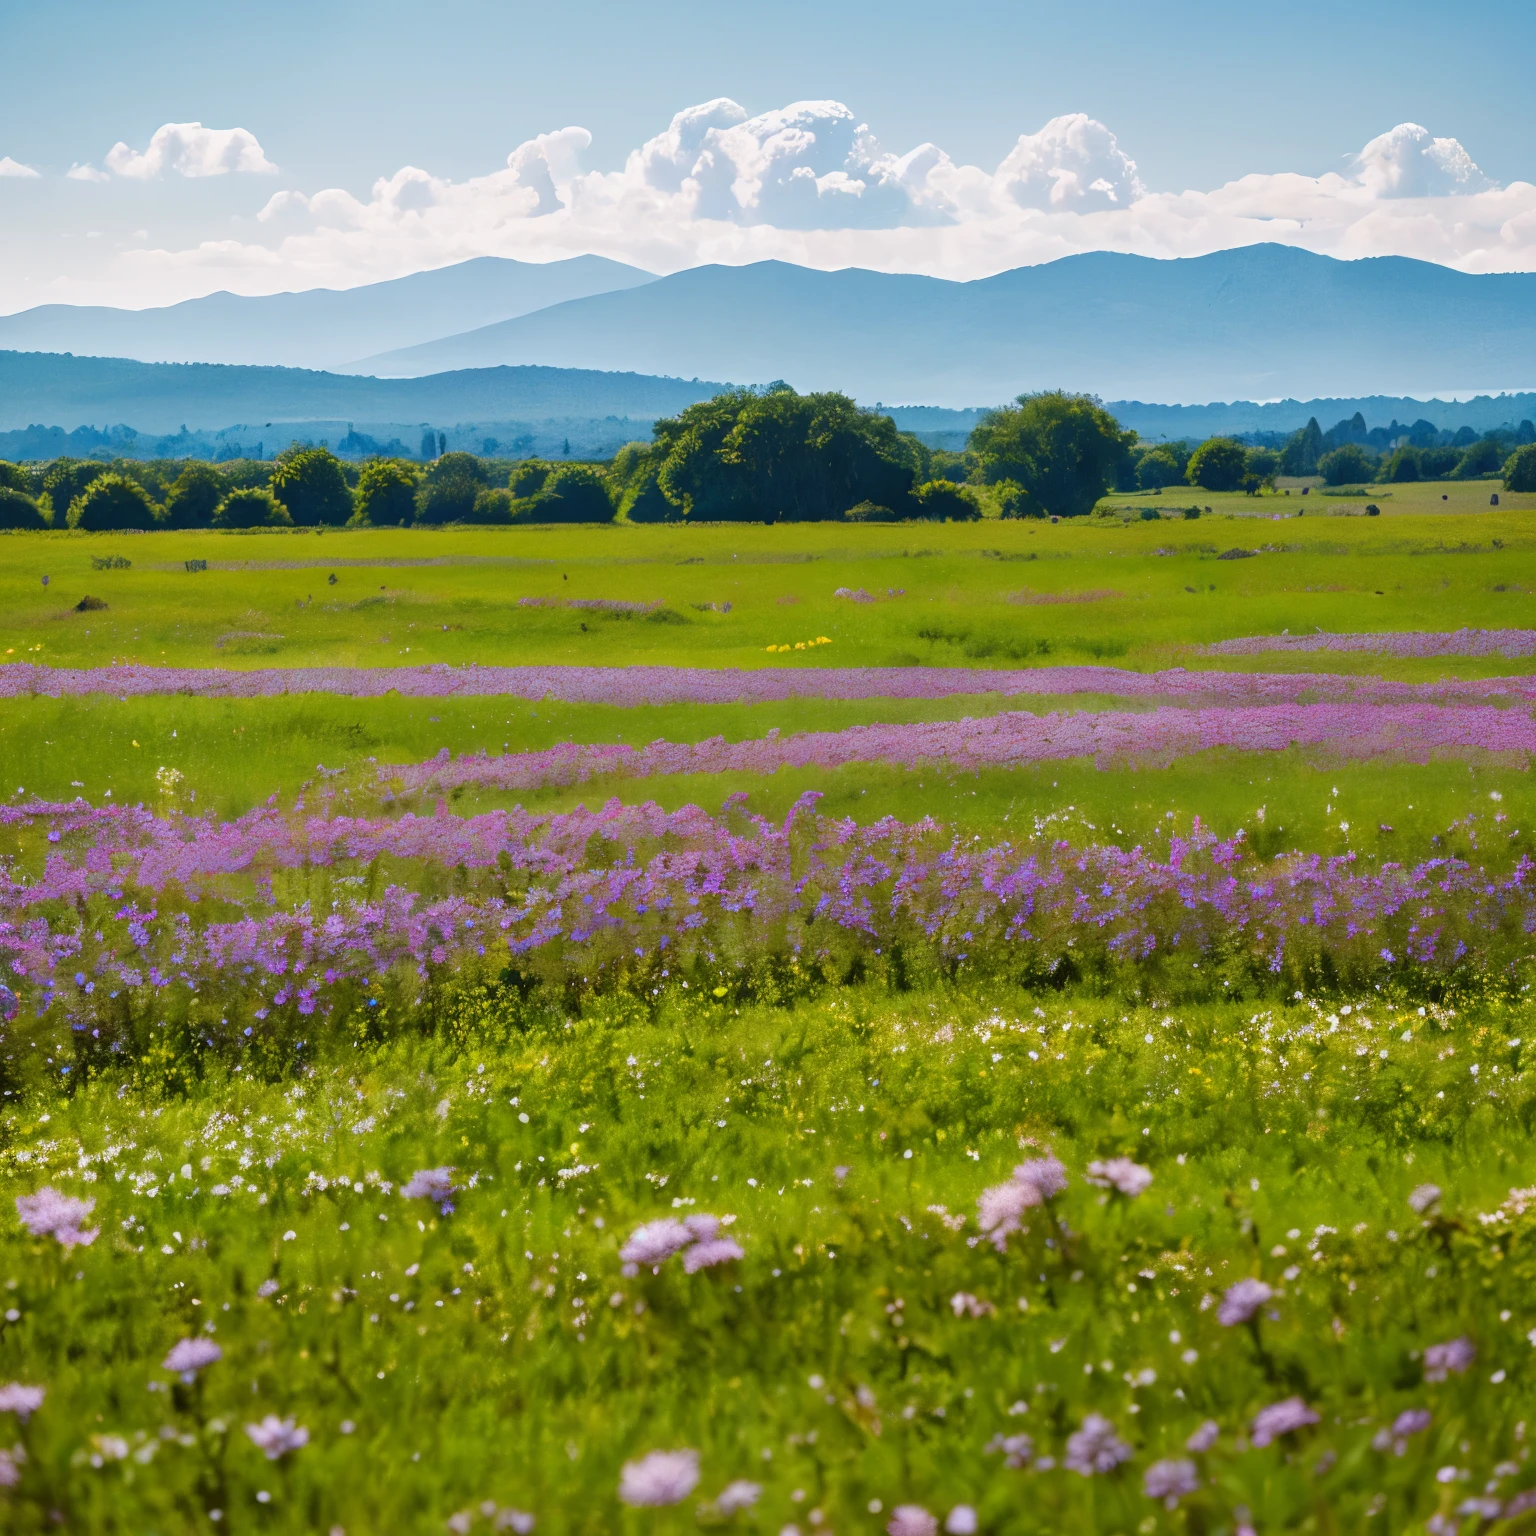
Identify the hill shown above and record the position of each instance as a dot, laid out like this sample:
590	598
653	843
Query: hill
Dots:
321	327
1257	323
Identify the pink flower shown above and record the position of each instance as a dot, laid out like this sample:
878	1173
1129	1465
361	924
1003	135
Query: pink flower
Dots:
911	1520
1170	1481
10	1467
962	1521
738	1495
1121	1174
276	1437
1280	1419
1095	1447
189	1356
662	1477
702	1255
21	1400
1242	1301
1046	1174
50	1214
1001	1209
1440	1360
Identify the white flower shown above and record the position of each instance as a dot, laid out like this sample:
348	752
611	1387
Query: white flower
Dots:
961	1521
662	1477
1423	1197
276	1437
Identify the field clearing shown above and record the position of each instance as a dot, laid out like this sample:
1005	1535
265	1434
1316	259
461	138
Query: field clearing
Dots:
377	1091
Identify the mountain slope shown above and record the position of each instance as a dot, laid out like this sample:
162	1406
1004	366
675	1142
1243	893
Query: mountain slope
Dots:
1255	323
320	327
70	392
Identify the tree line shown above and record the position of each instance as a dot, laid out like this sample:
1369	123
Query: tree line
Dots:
747	455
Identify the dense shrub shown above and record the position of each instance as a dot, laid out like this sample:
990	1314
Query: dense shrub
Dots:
313	487
194	496
1161	466
18	510
527	479
14	477
386	494
252	509
1065	450
1014	501
492	508
944	501
1349	465
1520	469
869	512
449	489
571	493
1478	459
112	504
63	482
1218	464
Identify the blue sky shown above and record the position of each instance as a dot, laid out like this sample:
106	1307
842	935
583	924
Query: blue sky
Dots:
338	95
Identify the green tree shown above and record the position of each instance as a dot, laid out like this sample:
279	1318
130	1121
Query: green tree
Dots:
1218	464
1014	501
1065	450
18	510
386	494
13	477
1263	465
492	508
527	478
1403	467
194	496
312	485
1302	450
1520	469
112	504
1160	466
571	493
450	488
1480	458
773	455
64	480
643	501
1349	465
251	507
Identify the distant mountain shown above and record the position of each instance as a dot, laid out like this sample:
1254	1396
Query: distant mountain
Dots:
1259	323
321	327
70	392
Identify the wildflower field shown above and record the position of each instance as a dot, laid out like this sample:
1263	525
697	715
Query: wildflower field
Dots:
791	1030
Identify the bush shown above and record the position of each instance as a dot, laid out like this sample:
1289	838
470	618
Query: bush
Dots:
1481	458
65	480
1349	465
18	510
869	512
944	501
1014	501
386	494
492	508
112	504
14	478
1403	467
527	479
252	509
573	493
1218	464
644	502
450	489
312	485
194	496
1520	469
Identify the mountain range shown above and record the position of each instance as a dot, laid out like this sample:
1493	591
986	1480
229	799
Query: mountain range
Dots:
319	327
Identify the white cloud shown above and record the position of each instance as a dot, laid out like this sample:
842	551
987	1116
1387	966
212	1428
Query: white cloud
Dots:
191	150
809	183
14	168
86	173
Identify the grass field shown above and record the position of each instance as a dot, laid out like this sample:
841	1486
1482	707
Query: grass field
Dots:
864	1338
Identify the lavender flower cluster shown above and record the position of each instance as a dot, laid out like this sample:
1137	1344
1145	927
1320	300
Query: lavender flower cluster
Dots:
1415	732
627	886
1406	643
765	685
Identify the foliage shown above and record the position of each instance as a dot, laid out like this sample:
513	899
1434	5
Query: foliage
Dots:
14	477
1064	449
18	510
449	489
1218	464
1161	465
1014	501
194	496
386	494
1479	459
251	509
944	501
110	504
65	480
1349	465
1303	448
777	456
570	493
311	484
1520	469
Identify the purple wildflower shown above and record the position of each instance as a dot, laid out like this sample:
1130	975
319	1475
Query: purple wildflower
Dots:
10	1467
189	1356
962	1521
1017	1450
1204	1437
1280	1419
720	1250
1045	1174
656	1241
51	1214
435	1184
1242	1301
275	1437
1170	1481
22	1400
1121	1174
1095	1447
1411	1421
1001	1210
911	1520
662	1477
738	1495
1423	1197
1441	1360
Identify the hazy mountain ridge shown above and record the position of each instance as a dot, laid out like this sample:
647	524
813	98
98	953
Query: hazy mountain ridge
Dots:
319	327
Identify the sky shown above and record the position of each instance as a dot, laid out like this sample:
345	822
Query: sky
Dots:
163	150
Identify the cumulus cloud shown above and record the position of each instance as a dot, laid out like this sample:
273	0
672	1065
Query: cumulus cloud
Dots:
810	183
191	150
85	173
14	168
